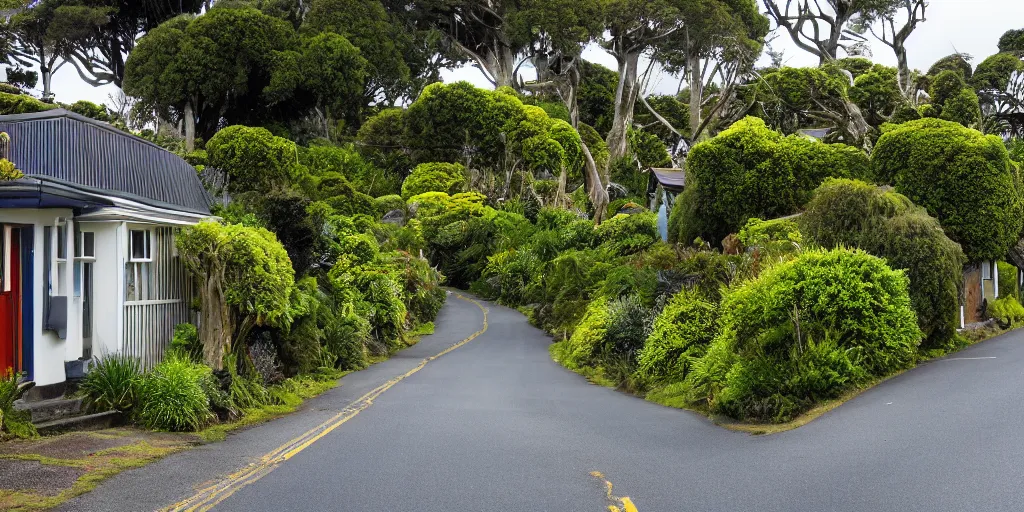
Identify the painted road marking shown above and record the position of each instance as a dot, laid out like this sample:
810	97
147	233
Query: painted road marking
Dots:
623	504
209	497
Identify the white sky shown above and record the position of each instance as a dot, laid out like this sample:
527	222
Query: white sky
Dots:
969	26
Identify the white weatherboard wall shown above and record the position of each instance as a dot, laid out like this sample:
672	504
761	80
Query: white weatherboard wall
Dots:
48	351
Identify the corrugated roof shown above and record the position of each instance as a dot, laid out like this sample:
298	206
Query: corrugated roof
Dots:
78	150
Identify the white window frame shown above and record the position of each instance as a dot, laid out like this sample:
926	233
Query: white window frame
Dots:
81	246
59	272
148	246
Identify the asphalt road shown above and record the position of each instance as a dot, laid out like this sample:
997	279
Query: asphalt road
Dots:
495	425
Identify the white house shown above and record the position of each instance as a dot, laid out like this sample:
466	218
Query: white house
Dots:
88	261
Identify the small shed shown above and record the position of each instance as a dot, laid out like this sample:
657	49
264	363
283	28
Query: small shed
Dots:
663	186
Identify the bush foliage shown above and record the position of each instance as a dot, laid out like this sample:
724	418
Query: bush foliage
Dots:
964	179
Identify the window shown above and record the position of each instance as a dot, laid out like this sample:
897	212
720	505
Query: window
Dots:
62	240
85	245
139	245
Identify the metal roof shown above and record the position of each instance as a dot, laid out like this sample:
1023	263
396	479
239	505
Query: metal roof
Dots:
77	150
673	179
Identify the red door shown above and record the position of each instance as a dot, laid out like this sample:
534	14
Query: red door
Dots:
10	304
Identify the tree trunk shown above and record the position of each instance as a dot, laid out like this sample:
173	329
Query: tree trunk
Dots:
46	74
597	190
696	95
501	64
625	100
190	127
904	77
213	321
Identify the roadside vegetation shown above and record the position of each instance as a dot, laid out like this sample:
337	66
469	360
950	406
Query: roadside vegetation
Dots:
819	244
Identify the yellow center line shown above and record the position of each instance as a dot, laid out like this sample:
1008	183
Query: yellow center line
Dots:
623	504
207	498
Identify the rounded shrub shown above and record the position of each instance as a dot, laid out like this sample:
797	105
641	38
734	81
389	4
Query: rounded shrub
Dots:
587	338
886	224
963	178
750	171
1007	311
681	334
435	177
172	397
628	234
805	331
963	108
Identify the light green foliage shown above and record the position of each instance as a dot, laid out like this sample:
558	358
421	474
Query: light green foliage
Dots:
928	111
586	340
962	108
962	177
8	171
90	110
1007	311
681	334
13	422
248	274
751	171
172	397
325	163
903	114
253	159
435	177
806	331
857	66
1008	285
774	240
625	234
185	342
21	104
113	383
848	213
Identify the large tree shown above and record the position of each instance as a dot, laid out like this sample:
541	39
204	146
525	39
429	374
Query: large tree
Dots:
824	27
41	39
105	32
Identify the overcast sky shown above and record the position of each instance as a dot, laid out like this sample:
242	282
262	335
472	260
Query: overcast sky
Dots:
969	26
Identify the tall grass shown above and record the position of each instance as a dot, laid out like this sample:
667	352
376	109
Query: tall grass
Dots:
112	383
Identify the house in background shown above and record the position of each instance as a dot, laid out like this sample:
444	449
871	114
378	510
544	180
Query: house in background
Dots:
89	265
663	186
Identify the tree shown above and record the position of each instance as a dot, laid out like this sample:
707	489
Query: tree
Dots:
1012	41
435	177
213	67
964	178
369	27
39	41
822	28
105	32
715	54
877	93
999	82
909	13
246	280
332	71
794	98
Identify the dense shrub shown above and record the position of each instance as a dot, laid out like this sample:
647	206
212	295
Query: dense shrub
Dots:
1007	311
583	347
628	234
252	159
963	107
681	334
805	331
964	178
1008	284
21	104
886	224
114	380
751	171
435	177
172	397
629	324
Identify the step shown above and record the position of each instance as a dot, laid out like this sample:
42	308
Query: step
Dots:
52	409
96	421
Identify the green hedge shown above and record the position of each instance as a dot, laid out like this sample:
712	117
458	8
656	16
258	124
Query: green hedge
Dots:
751	171
964	178
886	224
806	331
